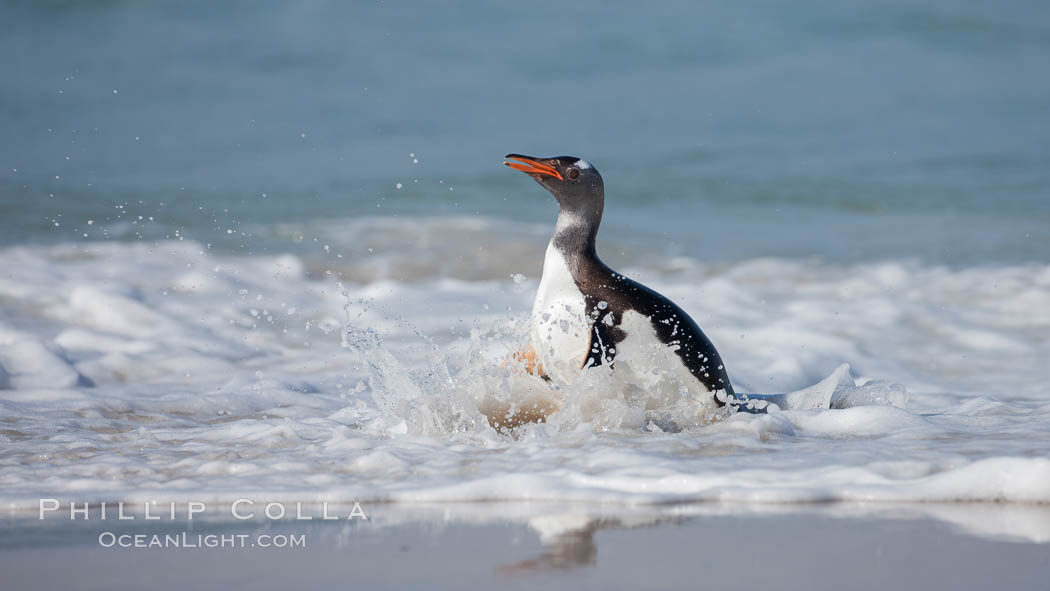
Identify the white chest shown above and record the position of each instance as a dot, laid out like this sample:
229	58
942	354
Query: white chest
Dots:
560	332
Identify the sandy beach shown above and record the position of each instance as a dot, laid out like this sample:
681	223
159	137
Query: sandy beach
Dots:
481	546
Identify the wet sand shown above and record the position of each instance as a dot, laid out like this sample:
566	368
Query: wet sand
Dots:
482	546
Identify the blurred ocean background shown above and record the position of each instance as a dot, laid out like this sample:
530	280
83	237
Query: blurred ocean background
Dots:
269	248
841	130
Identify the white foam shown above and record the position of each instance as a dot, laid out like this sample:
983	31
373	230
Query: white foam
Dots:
28	364
205	385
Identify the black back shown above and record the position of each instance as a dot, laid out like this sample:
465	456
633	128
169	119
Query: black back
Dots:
609	293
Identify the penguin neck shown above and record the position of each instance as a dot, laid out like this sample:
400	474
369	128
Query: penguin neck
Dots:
574	236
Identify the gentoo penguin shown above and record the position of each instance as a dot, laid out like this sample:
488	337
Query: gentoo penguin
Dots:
585	314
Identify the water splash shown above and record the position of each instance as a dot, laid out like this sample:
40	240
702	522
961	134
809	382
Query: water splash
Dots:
487	390
426	398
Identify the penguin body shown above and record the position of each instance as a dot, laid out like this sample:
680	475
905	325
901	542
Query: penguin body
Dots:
585	314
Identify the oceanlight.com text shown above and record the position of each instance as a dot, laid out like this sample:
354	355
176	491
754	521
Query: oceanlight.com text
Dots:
186	540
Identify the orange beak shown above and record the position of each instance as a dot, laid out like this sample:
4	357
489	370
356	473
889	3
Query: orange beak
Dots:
526	164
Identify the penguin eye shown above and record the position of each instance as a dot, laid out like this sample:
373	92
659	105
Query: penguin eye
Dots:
574	173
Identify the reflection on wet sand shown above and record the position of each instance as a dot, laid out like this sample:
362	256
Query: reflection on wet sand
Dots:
568	540
571	549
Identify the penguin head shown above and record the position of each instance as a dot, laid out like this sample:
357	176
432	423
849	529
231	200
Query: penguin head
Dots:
574	183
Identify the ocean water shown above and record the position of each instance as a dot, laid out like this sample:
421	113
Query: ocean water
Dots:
269	250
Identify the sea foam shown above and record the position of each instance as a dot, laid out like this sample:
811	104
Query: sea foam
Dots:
133	370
